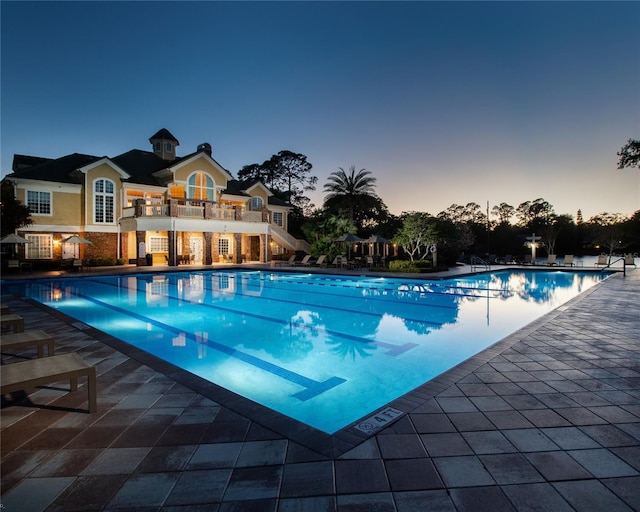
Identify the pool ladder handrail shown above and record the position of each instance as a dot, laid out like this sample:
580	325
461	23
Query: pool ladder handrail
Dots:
624	265
478	262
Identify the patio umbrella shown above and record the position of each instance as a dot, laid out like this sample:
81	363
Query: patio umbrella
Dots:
77	240
348	238
13	239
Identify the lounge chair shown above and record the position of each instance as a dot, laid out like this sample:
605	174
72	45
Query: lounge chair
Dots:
339	262
13	322
629	260
369	262
527	259
48	370
304	262
5	310
320	262
603	260
288	262
24	339
18	264
567	261
551	260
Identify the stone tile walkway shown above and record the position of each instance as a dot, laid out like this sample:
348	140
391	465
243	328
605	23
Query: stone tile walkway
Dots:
547	419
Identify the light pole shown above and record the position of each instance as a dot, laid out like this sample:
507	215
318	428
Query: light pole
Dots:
532	241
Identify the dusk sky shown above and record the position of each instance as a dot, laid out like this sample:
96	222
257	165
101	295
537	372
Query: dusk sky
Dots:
444	102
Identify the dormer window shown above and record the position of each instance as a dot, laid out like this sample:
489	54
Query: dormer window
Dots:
256	204
168	146
158	146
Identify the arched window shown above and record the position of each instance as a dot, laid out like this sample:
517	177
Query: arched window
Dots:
104	199
256	204
201	186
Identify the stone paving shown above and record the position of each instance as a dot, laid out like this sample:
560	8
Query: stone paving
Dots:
547	419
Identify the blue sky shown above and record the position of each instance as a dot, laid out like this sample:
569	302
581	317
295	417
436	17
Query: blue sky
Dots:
444	102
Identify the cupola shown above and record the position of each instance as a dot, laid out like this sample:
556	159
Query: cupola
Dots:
164	144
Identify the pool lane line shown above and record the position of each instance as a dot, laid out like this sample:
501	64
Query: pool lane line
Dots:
393	349
312	388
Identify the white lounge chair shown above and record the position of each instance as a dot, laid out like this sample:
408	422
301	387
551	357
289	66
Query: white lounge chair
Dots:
48	370
304	262
24	339
320	262
551	259
567	261
603	260
629	260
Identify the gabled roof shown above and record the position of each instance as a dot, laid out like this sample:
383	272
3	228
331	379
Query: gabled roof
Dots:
242	187
165	135
176	163
24	161
60	170
140	165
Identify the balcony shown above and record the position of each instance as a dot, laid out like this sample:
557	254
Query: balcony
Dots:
194	209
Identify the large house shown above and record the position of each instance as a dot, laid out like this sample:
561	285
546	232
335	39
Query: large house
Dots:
186	209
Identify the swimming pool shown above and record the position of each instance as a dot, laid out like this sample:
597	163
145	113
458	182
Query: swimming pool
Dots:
325	350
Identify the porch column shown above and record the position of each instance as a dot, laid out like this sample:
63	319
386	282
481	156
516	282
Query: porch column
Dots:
264	248
237	250
140	243
173	257
208	259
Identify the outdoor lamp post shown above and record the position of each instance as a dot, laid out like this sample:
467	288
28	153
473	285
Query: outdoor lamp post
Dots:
532	241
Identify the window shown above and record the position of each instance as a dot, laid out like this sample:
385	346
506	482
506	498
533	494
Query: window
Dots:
158	146
104	196
168	146
223	246
256	203
158	244
39	203
177	191
40	247
277	218
201	187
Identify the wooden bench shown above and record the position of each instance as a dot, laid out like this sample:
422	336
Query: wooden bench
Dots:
47	370
13	321
37	337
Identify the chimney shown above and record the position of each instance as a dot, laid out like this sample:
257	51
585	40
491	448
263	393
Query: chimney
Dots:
206	147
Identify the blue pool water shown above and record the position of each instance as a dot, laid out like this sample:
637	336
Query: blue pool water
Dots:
326	350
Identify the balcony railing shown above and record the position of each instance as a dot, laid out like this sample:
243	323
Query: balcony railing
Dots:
194	209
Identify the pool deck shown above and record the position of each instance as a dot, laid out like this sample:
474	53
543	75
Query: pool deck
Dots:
546	419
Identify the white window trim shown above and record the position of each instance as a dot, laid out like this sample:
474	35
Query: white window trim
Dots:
104	195
31	246
26	195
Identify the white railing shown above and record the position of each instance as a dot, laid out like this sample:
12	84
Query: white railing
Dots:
252	216
224	214
154	210
195	212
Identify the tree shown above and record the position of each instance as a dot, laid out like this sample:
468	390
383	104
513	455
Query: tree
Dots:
609	231
418	233
350	191
287	174
534	214
322	228
504	212
629	154
15	215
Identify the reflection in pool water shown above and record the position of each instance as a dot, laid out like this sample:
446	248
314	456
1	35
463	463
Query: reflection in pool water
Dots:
325	350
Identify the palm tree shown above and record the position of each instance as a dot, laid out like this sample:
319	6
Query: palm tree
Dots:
349	190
